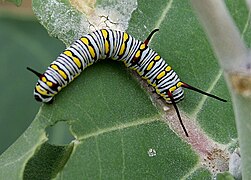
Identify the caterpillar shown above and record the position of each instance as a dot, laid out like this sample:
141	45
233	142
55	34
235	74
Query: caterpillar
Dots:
120	46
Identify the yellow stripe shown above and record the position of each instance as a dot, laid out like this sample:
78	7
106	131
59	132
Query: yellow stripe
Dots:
167	99
137	54
149	82
68	53
179	84
77	62
134	68
62	73
142	46
140	73
150	65
89	64
157	58
92	52
106	47
104	32
125	37
53	66
75	59
157	91
172	89
43	92
76	76
44	79
122	49
49	83
123	46
143	77
168	68
85	40
161	74
125	63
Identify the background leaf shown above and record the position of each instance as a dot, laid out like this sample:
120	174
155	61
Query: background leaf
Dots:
24	43
115	125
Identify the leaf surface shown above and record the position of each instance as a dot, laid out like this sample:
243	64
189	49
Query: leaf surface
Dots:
119	133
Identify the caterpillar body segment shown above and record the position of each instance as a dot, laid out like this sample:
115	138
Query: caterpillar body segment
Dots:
120	46
103	44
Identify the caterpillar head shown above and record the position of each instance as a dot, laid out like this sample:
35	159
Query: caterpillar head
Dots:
45	88
44	92
42	95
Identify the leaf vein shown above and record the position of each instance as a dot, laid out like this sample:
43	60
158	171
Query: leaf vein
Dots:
120	127
246	25
99	159
163	15
204	98
191	172
123	156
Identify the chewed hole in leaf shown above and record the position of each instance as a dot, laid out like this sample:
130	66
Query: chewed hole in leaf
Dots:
59	134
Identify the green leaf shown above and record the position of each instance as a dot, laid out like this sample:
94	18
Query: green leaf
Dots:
47	161
24	43
119	133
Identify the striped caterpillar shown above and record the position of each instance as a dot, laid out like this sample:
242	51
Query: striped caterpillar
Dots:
120	46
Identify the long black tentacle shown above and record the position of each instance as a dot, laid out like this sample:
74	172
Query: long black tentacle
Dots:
35	72
150	36
177	111
185	85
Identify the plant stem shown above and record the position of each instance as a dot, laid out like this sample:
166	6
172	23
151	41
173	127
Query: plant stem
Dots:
224	36
234	58
242	108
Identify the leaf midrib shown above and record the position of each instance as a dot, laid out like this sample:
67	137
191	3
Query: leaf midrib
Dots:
120	127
